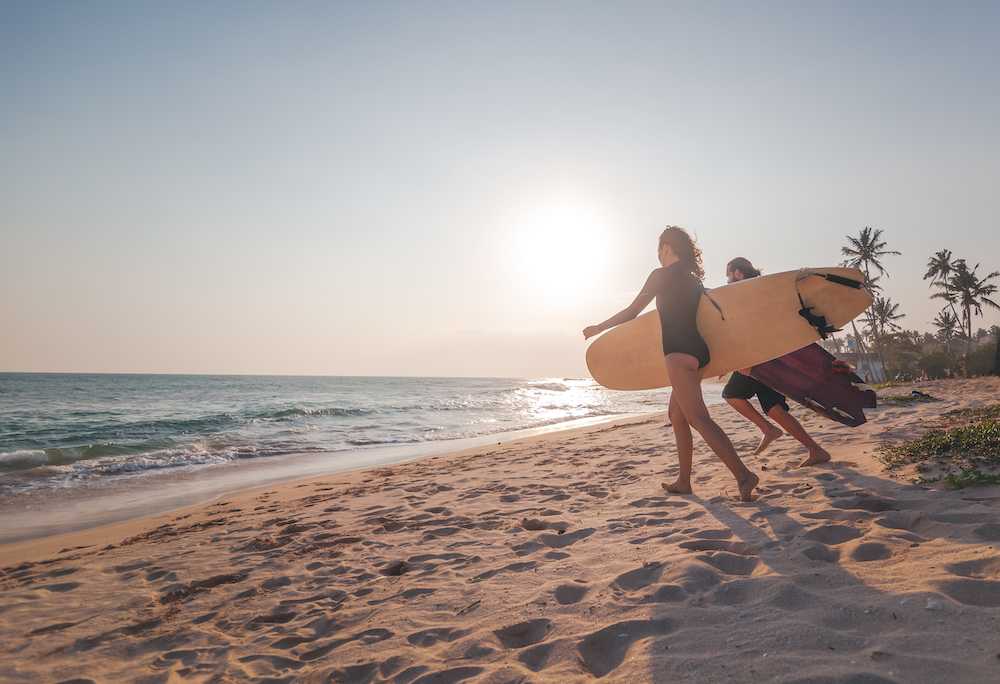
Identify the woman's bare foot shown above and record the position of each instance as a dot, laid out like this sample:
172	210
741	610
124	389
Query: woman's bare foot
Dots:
772	434
677	487
747	485
817	455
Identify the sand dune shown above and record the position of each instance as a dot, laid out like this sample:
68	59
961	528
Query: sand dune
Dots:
555	558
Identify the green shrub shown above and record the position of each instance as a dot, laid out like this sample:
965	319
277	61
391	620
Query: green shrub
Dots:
981	359
934	363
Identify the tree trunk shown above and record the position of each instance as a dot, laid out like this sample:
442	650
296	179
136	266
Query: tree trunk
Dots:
968	343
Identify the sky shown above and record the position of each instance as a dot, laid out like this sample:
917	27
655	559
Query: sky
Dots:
459	188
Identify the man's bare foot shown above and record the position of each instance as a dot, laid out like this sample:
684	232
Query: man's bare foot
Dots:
747	485
677	488
817	455
766	440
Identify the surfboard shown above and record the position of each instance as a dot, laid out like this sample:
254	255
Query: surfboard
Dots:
744	324
815	378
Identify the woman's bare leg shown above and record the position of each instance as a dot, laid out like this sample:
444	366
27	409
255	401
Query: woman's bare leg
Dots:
685	449
685	382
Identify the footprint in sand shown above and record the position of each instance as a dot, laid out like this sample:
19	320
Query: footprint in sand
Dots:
832	534
430	637
568	594
870	551
637	579
603	651
989	532
523	633
535	525
971	592
561	541
731	563
513	567
980	568
693	578
822	553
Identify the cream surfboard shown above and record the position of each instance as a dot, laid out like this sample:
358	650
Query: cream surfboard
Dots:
744	324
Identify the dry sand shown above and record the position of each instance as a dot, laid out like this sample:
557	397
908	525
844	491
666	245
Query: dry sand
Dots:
556	558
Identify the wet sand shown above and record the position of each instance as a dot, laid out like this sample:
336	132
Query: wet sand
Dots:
551	558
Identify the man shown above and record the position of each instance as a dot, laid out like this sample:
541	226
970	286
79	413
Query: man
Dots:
741	388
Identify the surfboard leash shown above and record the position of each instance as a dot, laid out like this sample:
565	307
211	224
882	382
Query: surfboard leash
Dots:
717	307
816	321
819	322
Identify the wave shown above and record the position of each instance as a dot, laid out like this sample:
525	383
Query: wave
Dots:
126	425
550	386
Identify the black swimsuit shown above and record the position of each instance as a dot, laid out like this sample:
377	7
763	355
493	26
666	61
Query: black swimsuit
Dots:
678	293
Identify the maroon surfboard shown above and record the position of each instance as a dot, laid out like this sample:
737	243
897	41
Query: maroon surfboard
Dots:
818	380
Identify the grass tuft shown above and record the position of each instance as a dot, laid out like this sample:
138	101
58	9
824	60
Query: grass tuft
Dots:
969	441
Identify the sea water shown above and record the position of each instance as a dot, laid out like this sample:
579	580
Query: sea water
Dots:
105	435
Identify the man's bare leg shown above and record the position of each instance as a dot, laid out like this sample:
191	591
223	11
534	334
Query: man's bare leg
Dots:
770	432
817	454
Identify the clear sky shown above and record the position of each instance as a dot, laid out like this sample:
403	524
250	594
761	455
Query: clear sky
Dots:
458	188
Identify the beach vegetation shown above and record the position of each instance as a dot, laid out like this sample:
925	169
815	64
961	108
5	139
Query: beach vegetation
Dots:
966	479
902	399
967	441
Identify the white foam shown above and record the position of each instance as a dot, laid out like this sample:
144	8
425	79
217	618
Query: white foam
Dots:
24	456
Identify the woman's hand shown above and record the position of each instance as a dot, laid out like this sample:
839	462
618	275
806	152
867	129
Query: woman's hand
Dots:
590	331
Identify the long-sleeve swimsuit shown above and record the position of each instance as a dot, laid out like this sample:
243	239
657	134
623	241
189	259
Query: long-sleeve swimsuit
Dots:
677	292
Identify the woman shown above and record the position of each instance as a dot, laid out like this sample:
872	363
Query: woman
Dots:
677	289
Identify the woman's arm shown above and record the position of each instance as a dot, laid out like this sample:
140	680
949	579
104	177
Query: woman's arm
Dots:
641	301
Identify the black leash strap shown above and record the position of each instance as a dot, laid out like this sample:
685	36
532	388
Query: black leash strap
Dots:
818	322
839	280
855	284
717	308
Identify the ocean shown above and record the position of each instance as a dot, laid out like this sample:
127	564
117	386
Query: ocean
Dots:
78	450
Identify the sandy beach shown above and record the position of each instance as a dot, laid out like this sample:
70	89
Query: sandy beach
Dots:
551	558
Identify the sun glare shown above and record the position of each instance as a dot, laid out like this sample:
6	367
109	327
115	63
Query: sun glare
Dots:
562	251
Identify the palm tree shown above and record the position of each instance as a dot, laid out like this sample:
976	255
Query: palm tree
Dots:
865	252
939	267
939	270
970	294
947	325
885	316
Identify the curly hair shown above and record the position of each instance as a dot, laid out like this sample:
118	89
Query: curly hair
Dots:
683	246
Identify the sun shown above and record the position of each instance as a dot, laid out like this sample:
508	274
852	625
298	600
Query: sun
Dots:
562	251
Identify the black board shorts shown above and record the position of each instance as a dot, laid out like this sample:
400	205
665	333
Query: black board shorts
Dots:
744	387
